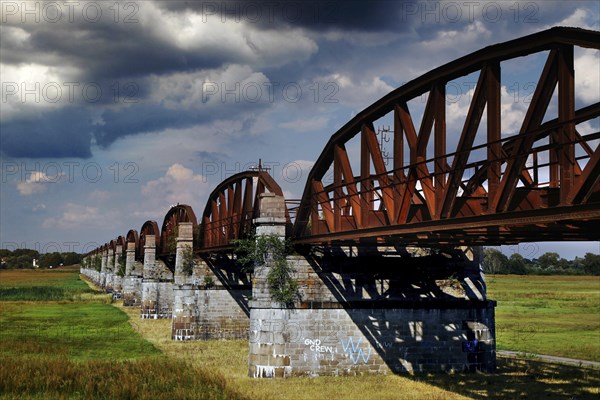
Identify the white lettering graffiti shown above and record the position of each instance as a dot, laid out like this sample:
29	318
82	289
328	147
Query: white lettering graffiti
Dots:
315	345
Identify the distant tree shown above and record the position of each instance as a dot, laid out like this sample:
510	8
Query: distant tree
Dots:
591	264
20	262
494	262
517	264
51	259
71	258
26	252
549	260
4	253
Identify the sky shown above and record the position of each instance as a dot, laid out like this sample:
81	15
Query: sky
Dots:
112	112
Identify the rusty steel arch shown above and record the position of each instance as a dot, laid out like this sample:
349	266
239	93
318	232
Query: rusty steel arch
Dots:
424	200
149	229
168	236
132	237
231	207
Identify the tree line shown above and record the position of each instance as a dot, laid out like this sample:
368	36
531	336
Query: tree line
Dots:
23	258
494	262
550	263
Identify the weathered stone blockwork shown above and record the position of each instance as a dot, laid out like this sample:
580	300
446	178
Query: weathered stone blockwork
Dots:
425	337
157	300
213	303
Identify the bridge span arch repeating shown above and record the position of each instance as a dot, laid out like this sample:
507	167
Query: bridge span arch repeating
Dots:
231	207
493	186
537	184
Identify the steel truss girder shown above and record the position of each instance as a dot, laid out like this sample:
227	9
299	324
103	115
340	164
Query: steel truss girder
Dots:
231	207
168	233
415	203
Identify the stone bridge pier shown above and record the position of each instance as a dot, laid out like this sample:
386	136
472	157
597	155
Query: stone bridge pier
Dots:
103	258
118	260
210	294
371	310
157	285
110	269
132	281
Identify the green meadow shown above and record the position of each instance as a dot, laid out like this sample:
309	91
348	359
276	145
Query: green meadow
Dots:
62	339
554	315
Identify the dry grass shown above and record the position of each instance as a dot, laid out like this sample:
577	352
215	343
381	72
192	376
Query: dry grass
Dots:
230	359
40	366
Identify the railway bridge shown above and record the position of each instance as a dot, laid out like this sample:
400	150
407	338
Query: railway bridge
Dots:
386	240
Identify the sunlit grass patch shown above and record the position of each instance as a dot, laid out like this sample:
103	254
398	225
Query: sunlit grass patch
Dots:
555	315
43	285
78	331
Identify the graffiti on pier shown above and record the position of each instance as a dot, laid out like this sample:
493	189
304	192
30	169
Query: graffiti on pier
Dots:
315	346
354	351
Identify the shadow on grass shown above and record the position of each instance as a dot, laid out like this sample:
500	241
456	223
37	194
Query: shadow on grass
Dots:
522	379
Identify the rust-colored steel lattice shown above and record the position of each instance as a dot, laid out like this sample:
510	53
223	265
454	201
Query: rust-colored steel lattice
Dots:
540	183
149	229
231	207
168	233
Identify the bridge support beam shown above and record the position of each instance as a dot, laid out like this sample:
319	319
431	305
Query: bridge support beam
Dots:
183	326
103	270
132	281
110	269
157	287
372	310
354	320
271	221
117	279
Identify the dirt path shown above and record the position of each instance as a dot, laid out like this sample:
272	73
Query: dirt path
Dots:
564	360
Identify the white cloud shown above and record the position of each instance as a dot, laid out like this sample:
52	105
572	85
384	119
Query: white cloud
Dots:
578	18
355	91
179	185
241	40
218	87
36	183
587	75
38	208
305	124
358	38
28	88
76	216
451	40
99	196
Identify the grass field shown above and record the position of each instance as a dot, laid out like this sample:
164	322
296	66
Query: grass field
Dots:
81	346
514	379
60	339
555	315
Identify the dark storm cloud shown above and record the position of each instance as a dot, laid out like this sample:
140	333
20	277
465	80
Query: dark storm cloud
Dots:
107	50
377	15
109	53
68	132
64	133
